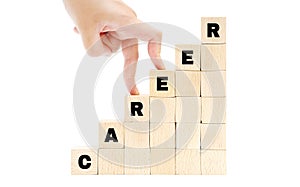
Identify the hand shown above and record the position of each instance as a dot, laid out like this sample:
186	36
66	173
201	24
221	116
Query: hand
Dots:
107	25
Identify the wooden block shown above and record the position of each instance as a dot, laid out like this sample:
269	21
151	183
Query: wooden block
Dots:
213	84
213	57
187	57
111	162
136	108
213	136
188	109
162	109
111	134
162	135
84	161
188	136
162	83
188	162
213	29
136	134
213	162
162	161
137	161
213	110
188	83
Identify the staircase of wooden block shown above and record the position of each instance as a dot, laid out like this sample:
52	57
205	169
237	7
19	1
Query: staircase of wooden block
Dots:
178	129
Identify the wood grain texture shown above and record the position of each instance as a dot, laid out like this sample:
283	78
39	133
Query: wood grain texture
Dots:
155	75
162	135
213	57
162	109
137	161
136	134
188	162
213	136
162	161
213	162
104	127
188	136
213	84
111	162
221	21
188	83
75	157
134	116
188	109
213	110
194	63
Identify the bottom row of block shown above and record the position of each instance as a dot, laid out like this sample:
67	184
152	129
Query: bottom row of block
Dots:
148	161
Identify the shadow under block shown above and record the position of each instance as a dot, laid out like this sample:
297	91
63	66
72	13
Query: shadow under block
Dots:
214	110
188	136
84	162
162	135
111	134
136	108
162	83
188	83
136	134
213	136
187	57
137	161
213	57
188	162
213	29
162	161
111	162
188	109
213	162
213	84
162	109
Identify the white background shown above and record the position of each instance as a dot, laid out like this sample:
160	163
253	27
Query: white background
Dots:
40	55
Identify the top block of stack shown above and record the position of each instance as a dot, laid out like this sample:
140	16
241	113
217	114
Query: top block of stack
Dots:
213	30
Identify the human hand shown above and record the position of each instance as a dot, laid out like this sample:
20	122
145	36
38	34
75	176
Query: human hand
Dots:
107	25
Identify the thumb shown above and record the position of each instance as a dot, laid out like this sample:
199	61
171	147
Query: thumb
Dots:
92	42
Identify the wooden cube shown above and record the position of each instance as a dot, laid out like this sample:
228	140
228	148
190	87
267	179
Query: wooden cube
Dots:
213	136
188	109
162	135
188	162
162	161
213	84
213	29
111	134
136	108
213	162
188	136
111	162
136	134
188	83
84	161
187	57
162	109
213	110
162	83
213	57
137	161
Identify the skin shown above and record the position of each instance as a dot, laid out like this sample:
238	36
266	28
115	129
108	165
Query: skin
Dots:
107	25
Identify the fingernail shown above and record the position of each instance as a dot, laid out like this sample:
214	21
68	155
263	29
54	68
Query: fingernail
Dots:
135	92
162	67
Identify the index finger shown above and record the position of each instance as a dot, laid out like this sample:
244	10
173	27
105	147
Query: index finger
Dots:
147	33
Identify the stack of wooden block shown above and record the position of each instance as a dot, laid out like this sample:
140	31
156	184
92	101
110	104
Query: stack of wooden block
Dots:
178	129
